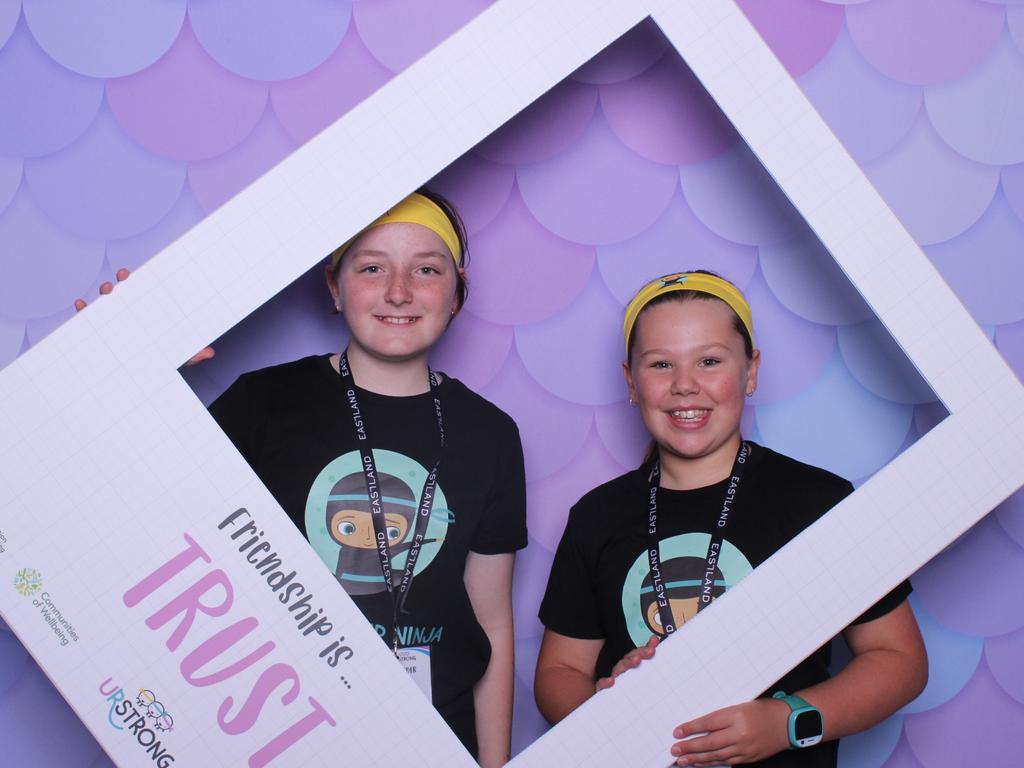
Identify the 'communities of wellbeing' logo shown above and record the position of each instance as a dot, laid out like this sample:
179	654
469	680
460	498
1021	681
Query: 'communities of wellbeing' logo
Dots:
28	581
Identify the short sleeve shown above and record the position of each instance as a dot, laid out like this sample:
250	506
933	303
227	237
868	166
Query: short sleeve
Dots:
570	605
233	411
502	527
886	604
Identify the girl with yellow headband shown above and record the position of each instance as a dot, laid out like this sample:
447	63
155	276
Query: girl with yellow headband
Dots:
408	485
645	552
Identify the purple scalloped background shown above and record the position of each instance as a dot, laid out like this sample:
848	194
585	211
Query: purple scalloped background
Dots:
168	115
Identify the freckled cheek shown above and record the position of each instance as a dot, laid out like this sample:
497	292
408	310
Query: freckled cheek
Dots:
356	296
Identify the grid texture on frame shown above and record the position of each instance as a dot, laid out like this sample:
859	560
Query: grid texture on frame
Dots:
853	40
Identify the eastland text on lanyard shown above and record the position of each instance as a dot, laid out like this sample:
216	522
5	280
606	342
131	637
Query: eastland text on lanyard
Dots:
714	546
373	494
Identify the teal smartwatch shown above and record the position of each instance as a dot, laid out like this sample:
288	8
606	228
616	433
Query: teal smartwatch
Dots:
806	725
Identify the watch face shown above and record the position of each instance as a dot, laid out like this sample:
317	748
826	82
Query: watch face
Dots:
808	727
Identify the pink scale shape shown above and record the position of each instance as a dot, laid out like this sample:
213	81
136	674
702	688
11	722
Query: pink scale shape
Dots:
873	746
521	272
44	268
868	111
217	180
794	352
853	440
924	42
306	105
806	279
935	192
70	743
902	756
577	354
478	189
105	38
1005	657
398	32
946	594
186	106
46	106
544	128
1015	26
981	115
267	39
736	198
549	499
983	710
627	57
799	32
881	365
676	242
622	431
133	252
10	179
552	429
104	186
10	12
38	328
952	660
597	192
984	266
1013	188
533	565
666	115
473	351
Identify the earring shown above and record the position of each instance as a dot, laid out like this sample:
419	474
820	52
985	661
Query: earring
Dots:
632	402
750	393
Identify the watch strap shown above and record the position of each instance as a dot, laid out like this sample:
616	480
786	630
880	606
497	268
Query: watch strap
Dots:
794	701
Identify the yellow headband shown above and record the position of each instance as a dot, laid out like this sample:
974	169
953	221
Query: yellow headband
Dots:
415	209
688	281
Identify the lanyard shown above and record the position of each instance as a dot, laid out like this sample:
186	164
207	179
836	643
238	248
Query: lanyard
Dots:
373	494
714	546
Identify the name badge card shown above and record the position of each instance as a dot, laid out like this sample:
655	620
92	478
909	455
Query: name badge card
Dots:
416	662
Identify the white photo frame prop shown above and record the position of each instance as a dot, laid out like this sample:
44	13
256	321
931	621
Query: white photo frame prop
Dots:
114	480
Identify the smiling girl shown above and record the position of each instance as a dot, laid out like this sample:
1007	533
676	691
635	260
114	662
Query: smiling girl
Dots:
705	495
369	445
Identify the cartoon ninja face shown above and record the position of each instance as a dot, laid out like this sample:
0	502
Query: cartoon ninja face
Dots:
350	523
339	520
683	580
683	609
354	528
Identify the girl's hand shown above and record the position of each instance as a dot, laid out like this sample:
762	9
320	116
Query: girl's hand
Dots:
122	274
629	661
744	733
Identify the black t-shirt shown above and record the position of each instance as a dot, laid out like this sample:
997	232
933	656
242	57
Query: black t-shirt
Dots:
293	424
600	585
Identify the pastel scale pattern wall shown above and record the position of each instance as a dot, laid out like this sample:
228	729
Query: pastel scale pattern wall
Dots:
125	122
